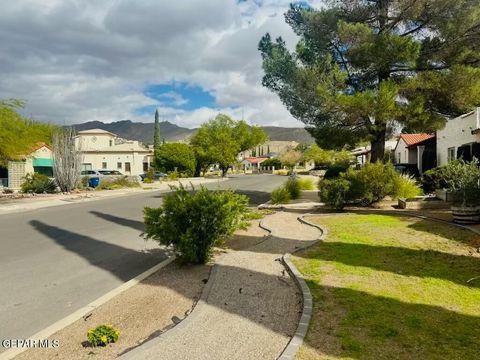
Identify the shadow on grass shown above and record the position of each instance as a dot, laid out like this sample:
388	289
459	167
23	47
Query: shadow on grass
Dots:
450	232
402	261
355	324
248	293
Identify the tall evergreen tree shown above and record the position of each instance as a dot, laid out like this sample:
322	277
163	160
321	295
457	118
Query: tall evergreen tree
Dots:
364	68
156	135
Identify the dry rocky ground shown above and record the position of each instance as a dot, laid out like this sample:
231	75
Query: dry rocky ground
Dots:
143	311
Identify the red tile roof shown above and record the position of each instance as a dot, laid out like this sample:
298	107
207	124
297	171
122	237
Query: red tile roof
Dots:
413	139
255	160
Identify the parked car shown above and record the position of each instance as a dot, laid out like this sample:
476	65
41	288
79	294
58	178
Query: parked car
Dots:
90	173
110	172
101	173
407	169
156	176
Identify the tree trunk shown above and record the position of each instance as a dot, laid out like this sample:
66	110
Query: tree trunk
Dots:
378	146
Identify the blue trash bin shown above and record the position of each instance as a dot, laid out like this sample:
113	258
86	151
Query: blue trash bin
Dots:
93	182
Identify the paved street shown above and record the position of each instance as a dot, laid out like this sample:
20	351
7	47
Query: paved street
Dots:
55	260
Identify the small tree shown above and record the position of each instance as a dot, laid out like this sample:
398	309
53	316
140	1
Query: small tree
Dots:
67	159
291	158
219	141
175	156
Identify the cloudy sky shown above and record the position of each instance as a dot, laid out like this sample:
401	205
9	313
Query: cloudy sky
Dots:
80	60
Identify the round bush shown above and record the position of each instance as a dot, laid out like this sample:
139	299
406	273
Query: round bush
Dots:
195	221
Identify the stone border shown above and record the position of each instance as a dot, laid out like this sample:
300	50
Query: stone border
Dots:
78	314
296	341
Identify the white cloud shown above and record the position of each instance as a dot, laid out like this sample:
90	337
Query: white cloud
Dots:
80	60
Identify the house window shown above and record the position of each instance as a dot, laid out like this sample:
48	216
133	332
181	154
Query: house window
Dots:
145	166
451	154
104	165
111	142
399	157
86	166
127	167
406	157
119	165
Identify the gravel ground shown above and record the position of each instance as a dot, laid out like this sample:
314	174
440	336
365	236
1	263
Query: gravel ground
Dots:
138	313
251	309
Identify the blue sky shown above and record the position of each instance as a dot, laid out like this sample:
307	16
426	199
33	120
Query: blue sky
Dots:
180	95
116	60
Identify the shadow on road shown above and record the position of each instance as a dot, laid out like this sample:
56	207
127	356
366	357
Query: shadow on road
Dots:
122	262
134	224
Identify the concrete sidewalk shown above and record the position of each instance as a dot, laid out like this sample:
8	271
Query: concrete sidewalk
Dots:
250	307
40	201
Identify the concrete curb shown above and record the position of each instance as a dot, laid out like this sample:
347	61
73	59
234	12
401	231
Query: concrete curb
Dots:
59	325
296	341
23	204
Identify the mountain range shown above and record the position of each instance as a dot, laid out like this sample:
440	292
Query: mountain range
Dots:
170	132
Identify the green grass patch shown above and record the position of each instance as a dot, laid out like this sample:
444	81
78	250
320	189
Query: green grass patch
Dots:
389	287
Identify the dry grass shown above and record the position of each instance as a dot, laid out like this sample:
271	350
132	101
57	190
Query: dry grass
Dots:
392	288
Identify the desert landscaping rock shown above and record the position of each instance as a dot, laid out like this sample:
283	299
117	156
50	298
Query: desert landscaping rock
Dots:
251	306
141	312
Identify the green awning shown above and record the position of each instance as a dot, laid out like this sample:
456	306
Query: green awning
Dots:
42	162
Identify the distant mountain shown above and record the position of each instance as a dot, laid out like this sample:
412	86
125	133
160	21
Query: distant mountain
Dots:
171	132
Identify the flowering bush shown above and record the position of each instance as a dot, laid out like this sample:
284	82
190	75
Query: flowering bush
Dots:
102	335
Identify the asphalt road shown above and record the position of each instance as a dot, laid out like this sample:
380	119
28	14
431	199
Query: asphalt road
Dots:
56	260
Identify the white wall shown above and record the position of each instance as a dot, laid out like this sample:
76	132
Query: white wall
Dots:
402	153
135	159
94	141
457	132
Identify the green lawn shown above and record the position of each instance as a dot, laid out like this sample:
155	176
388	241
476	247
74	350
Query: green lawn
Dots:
389	287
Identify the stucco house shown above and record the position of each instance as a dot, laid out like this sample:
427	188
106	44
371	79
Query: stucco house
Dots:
250	163
460	138
39	160
417	149
102	149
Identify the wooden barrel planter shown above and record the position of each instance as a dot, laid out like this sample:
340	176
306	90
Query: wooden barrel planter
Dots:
466	215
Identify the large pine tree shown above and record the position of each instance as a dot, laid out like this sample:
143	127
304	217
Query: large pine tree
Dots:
363	68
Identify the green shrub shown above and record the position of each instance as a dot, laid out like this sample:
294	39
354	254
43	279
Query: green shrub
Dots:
370	184
334	192
272	162
306	184
335	171
38	184
405	187
173	175
148	180
195	222
150	175
102	335
434	179
116	183
280	196
293	188
282	172
463	181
